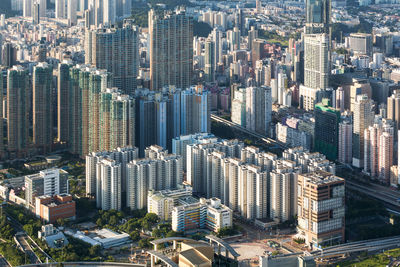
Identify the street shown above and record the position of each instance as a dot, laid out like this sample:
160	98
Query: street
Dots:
22	239
3	262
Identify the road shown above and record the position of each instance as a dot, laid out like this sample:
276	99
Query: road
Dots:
367	245
384	194
3	262
22	239
263	138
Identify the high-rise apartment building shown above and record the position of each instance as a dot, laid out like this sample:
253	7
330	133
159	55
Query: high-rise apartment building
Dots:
283	194
151	174
216	36
360	86
72	8
258	109
393	108
2	116
233	37
257	51
209	61
252	192
362	118
321	208
42	7
378	145
179	143
108	12
17	111
326	131
64	88
345	140
98	82
198	161
121	155
36	13
61	9
42	107
115	50
161	116
117	120
108	184
27	8
171	50
238	107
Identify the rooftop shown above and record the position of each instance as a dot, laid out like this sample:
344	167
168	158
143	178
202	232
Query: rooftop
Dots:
322	177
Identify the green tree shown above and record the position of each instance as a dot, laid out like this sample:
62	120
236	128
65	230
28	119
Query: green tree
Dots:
145	243
95	250
113	220
135	235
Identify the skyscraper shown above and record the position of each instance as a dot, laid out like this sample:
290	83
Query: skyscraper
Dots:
209	61
195	110
117	120
42	7
121	155
393	108
345	140
316	61
72	8
27	8
258	109
98	82
69	103
326	131
378	153
60	9
171	50
36	13
17	111
283	194
42	107
1	117
108	184
252	192
109	11
318	16
362	118
217	39
115	50
8	54
63	101
147	174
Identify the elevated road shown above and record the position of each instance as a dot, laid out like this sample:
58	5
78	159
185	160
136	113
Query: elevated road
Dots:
384	194
367	245
235	126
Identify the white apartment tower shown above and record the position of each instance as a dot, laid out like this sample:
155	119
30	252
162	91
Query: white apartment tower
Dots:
108	184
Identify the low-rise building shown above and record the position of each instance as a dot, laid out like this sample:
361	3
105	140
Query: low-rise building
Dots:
162	202
53	237
194	214
52	208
